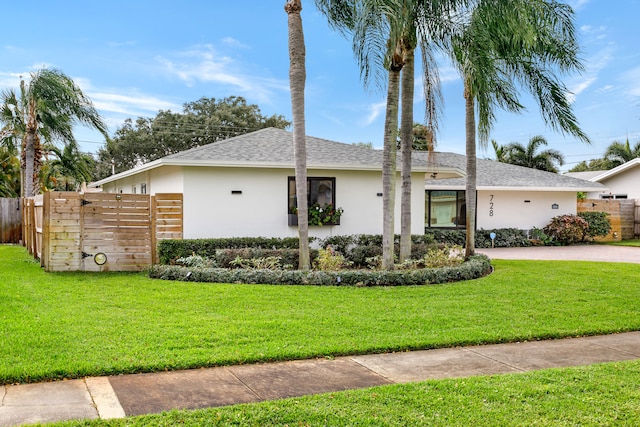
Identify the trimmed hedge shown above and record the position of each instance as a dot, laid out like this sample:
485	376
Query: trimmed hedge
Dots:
170	250
355	247
476	267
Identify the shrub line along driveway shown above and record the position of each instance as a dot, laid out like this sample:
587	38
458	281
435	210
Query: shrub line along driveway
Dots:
605	253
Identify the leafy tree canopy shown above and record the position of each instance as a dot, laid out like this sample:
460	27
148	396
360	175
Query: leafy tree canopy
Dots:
201	122
592	165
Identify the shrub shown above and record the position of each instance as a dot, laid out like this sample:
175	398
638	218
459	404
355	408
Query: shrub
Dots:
476	267
233	258
359	255
566	229
170	250
448	256
330	260
598	224
196	261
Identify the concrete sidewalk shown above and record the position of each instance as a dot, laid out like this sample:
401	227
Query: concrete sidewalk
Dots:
126	395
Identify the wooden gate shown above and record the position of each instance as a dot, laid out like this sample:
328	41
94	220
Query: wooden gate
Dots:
10	221
106	231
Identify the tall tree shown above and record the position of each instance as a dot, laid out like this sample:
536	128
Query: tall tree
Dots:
385	34
200	122
297	78
504	46
46	108
532	157
618	153
69	169
499	151
9	173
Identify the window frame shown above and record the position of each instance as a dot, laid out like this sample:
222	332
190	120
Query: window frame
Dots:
292	202
460	208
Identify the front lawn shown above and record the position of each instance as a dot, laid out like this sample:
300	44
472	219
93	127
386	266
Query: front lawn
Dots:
65	325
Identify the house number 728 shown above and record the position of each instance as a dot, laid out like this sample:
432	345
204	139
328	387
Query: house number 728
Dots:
491	205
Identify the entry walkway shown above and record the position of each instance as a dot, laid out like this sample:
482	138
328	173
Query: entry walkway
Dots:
126	395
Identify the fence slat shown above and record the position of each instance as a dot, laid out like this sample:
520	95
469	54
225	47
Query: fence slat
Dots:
10	221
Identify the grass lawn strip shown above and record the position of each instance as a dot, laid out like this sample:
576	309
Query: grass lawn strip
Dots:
597	395
68	325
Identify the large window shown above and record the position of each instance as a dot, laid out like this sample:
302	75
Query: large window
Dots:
320	191
445	209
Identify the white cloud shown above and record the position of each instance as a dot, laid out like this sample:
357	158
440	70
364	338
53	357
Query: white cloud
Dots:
125	101
577	4
631	81
236	44
120	44
204	64
376	110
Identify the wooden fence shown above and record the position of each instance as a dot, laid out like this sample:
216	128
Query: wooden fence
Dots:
636	227
10	221
100	231
623	215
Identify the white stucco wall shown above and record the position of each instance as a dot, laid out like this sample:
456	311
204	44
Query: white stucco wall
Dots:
167	179
626	182
211	210
522	209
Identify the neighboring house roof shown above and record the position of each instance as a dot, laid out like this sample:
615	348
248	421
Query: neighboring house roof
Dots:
503	176
273	148
588	175
604	175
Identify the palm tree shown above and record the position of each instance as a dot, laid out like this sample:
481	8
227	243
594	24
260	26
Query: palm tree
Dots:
530	156
505	44
69	169
385	34
297	77
618	153
46	109
500	152
9	173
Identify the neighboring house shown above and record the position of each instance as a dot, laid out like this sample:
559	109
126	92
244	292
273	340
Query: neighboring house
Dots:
244	186
509	196
620	182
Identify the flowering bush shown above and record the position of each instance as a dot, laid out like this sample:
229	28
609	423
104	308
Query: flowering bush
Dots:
566	229
323	215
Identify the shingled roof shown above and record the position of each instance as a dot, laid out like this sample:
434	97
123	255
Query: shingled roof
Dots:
496	175
273	147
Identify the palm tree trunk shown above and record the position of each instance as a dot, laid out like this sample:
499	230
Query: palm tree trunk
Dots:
471	181
30	176
297	77
389	168
406	137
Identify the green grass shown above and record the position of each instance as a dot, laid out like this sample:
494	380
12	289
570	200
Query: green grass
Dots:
598	395
65	325
634	242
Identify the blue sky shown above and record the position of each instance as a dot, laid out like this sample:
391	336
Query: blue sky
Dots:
136	57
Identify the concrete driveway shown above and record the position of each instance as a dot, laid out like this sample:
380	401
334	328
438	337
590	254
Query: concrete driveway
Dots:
604	253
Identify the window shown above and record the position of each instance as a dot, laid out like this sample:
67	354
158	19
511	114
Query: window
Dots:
320	191
445	209
143	188
133	189
613	196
